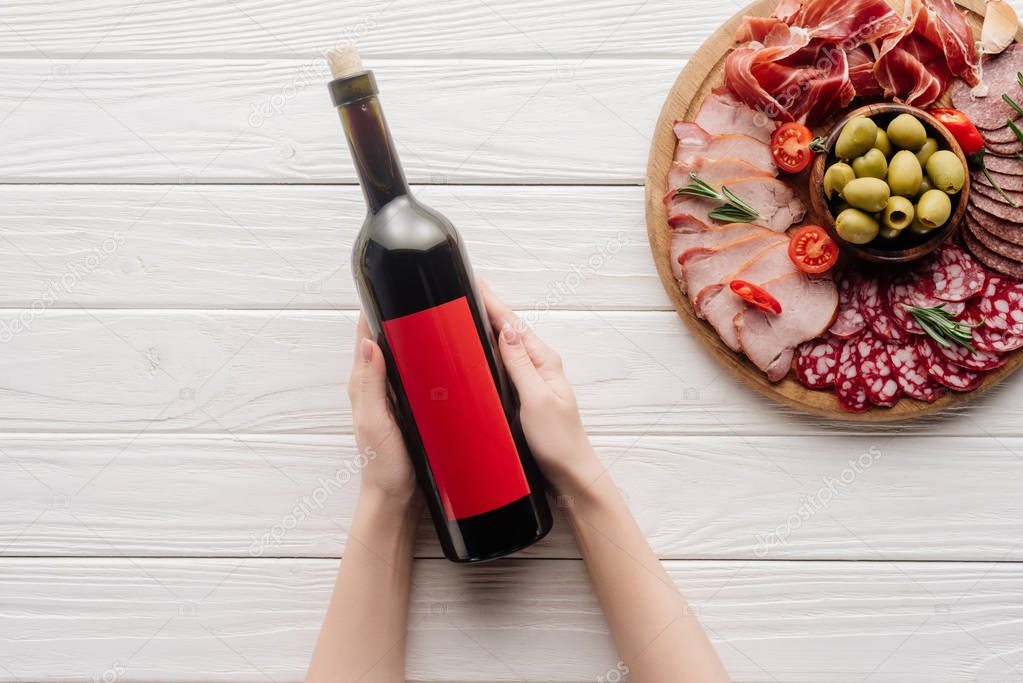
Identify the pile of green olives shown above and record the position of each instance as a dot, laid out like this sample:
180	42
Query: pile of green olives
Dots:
886	180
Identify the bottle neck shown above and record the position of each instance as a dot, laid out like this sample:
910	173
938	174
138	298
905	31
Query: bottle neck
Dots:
373	152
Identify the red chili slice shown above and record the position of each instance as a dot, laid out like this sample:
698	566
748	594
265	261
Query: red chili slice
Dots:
790	147
812	249
755	296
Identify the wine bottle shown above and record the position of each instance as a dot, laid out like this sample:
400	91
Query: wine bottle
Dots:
457	411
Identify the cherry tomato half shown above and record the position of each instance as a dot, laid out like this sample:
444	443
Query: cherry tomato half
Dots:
812	249
961	128
790	147
756	296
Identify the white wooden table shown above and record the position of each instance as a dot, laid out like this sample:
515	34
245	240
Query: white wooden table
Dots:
177	209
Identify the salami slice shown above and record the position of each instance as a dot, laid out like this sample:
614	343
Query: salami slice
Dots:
848	387
952	275
990	112
986	339
911	373
817	363
1002	306
875	369
850	321
905	291
874	306
980	361
944	373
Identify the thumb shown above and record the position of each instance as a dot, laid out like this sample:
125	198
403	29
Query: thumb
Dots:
372	377
517	361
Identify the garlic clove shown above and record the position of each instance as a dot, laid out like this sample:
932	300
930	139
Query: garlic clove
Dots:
1000	26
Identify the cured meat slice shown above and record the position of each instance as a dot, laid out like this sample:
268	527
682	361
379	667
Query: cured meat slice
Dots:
952	275
852	396
999	71
911	373
704	267
875	371
905	291
1004	248
874	306
775	201
994	261
912	70
817	363
1004	165
788	78
722	113
984	187
808	308
993	225
850	321
1007	181
981	361
850	23
713	172
941	23
986	339
694	142
1005	149
719	305
687	234
945	373
1002	306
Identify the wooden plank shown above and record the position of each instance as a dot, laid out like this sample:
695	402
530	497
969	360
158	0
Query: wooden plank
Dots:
807	498
304	28
270	371
279	246
219	120
220	620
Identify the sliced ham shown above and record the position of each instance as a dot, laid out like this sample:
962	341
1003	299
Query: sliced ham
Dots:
705	267
719	305
695	143
722	113
808	307
778	206
688	233
713	172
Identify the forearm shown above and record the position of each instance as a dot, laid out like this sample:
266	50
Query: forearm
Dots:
657	636
365	625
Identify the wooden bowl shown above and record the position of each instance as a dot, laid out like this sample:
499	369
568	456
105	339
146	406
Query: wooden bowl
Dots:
907	247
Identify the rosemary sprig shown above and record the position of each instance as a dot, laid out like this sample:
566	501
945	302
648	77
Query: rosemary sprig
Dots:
942	327
734	209
1012	103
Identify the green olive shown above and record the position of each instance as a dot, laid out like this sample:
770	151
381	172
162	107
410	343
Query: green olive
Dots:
871	165
929	148
856	138
945	171
888	233
925	185
899	213
918	228
905	174
933	208
868	194
906	131
856	227
835	178
882	143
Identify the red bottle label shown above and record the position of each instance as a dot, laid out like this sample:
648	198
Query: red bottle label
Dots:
457	409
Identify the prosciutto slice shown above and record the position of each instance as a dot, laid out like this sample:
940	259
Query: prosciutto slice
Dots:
944	26
912	70
851	22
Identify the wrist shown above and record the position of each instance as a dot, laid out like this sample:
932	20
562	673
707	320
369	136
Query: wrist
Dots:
573	478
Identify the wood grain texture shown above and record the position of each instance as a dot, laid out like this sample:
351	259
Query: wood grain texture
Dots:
273	247
703	72
800	498
305	28
259	121
271	372
225	620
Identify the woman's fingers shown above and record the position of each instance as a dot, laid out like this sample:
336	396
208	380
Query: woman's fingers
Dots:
546	359
518	362
368	385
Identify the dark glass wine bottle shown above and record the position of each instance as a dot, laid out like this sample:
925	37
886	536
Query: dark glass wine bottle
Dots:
457	411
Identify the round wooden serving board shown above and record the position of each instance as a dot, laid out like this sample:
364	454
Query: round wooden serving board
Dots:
703	73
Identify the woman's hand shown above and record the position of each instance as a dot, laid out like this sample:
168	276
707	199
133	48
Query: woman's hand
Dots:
388	469
550	417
